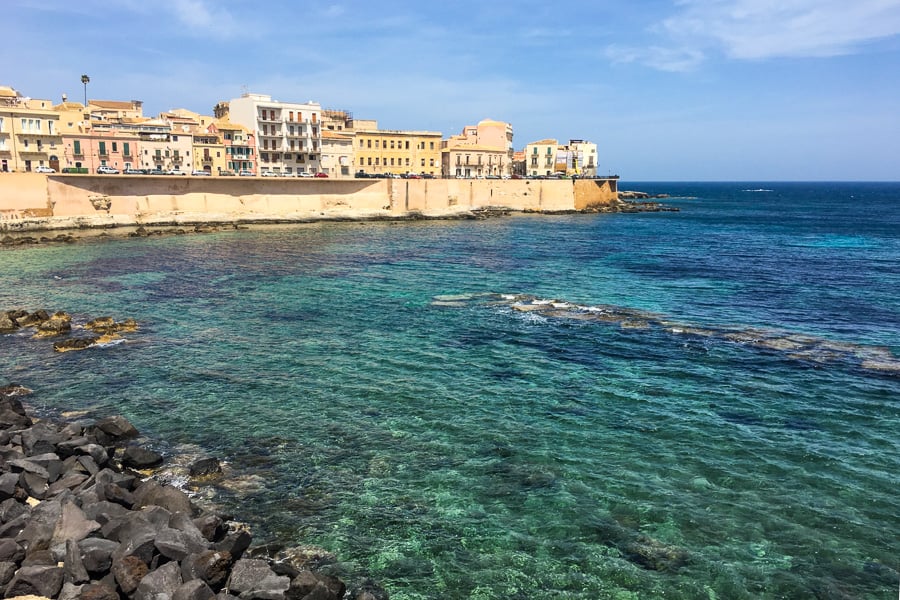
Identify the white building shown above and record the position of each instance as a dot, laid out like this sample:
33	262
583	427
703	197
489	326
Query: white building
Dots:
288	135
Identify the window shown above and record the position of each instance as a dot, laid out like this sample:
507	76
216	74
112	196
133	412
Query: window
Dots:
126	150
423	162
314	117
362	144
392	161
370	161
174	138
271	115
115	146
102	148
431	147
407	144
376	143
291	118
431	162
76	147
370	143
392	144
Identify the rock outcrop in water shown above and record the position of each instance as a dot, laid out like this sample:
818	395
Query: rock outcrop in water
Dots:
76	521
60	323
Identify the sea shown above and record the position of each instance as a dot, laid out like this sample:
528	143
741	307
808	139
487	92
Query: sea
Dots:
702	404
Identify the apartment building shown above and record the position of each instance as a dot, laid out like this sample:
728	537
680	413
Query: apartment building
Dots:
89	143
288	135
482	150
540	158
395	152
29	133
579	157
240	146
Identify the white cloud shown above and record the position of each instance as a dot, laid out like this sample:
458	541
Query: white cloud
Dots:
763	29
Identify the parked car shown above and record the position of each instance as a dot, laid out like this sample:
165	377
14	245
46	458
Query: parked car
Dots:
175	172
362	175
305	174
156	172
320	174
107	170
133	172
246	174
226	173
269	174
201	173
43	169
286	175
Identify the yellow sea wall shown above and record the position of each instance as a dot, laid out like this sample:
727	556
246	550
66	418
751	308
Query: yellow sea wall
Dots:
33	201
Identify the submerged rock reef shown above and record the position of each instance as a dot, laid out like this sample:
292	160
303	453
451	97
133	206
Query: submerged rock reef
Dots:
78	520
797	346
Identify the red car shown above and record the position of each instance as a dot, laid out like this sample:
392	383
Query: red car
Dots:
321	174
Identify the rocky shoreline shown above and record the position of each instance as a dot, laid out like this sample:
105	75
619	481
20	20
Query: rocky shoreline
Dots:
82	517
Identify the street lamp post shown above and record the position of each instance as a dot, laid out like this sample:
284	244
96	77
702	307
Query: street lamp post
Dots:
85	80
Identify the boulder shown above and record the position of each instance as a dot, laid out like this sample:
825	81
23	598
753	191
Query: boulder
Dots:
7	571
98	591
112	430
151	493
39	581
315	586
161	583
193	590
210	566
254	579
80	343
205	467
137	457
7	323
75	570
96	554
129	571
58	324
31	320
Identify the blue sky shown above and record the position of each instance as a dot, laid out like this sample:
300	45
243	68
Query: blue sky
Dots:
669	90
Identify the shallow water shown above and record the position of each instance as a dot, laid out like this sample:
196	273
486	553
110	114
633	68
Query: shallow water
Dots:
377	392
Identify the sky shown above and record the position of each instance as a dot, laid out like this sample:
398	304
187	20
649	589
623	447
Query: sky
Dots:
669	90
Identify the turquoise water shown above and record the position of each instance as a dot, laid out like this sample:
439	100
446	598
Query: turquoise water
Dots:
711	410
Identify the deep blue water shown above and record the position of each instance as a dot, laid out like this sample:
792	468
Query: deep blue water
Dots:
711	410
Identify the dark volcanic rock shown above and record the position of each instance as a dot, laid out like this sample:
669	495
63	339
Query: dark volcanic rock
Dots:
254	578
75	344
112	431
102	532
205	467
137	457
40	581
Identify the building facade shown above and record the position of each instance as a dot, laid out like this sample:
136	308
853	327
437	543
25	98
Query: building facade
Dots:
240	147
337	154
540	158
395	152
480	151
29	133
89	143
288	135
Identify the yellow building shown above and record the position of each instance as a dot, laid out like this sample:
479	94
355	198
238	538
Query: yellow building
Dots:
394	152
29	133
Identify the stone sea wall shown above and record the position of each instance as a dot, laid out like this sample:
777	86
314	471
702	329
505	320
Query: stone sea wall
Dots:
33	202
